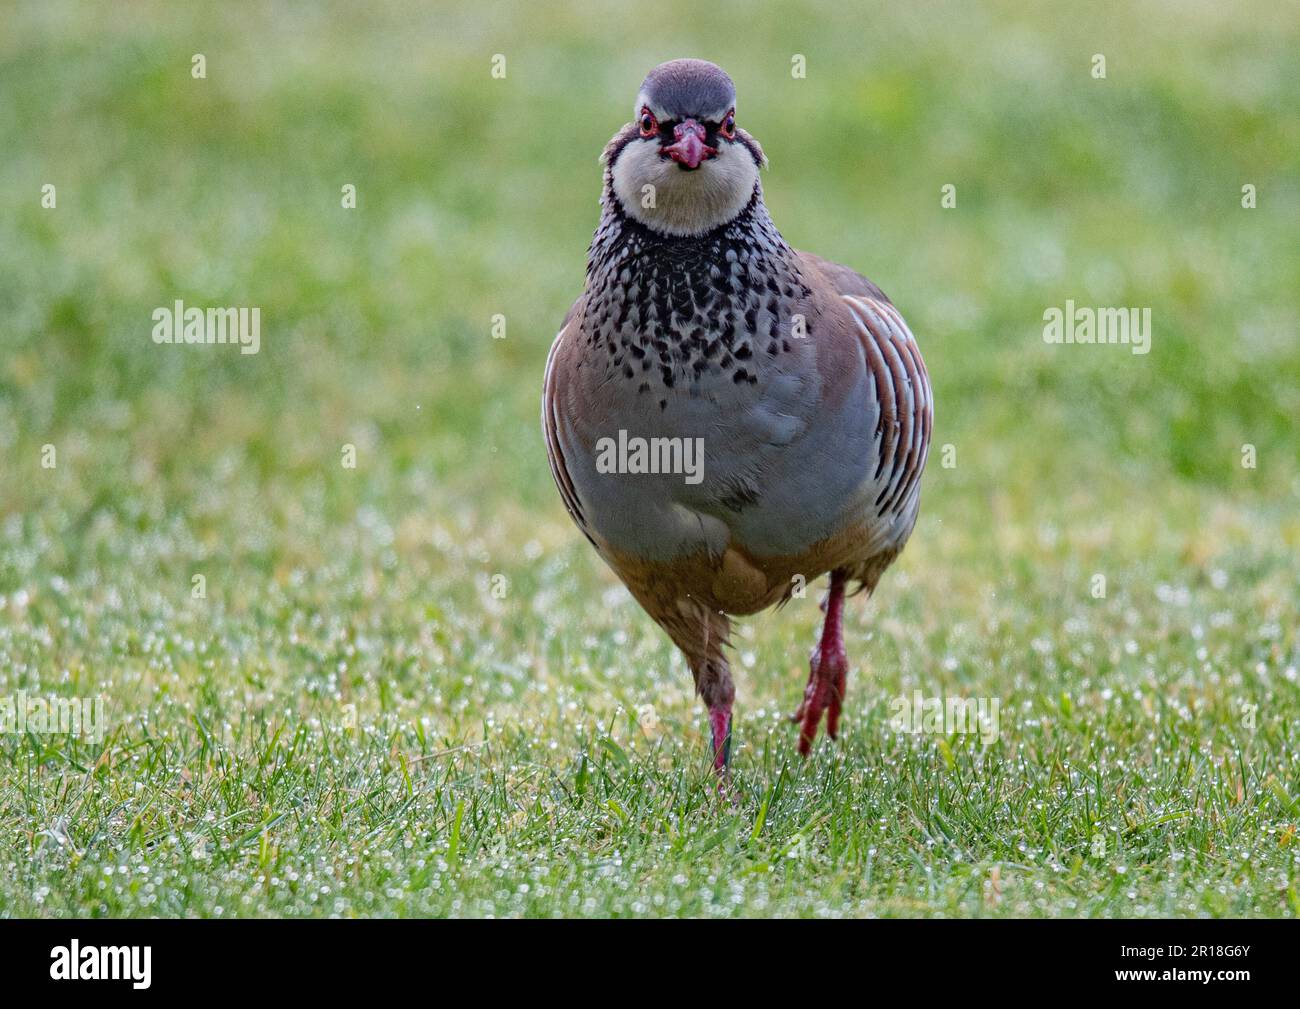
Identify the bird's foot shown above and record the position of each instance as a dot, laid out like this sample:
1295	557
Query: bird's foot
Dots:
824	694
829	673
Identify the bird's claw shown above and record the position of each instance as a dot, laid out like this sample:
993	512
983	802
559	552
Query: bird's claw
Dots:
824	694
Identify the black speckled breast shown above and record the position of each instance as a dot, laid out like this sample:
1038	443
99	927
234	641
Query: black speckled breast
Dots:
668	313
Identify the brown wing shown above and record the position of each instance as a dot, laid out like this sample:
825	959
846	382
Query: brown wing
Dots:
843	280
551	385
899	378
903	389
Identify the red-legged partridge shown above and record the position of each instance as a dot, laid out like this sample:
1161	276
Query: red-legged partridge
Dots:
728	418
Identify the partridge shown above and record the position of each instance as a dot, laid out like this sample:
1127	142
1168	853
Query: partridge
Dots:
728	418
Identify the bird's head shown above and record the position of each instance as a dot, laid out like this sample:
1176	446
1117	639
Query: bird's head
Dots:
682	166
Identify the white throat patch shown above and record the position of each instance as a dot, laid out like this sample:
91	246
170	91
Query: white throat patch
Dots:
654	191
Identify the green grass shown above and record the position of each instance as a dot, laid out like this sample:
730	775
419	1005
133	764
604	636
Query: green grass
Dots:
353	721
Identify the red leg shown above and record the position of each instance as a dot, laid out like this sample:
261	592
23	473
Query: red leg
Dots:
829	675
720	726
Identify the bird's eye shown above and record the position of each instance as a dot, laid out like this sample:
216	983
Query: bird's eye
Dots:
649	126
728	127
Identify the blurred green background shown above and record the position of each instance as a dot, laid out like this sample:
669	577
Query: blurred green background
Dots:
351	684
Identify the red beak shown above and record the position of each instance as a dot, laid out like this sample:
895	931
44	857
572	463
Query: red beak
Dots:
690	150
